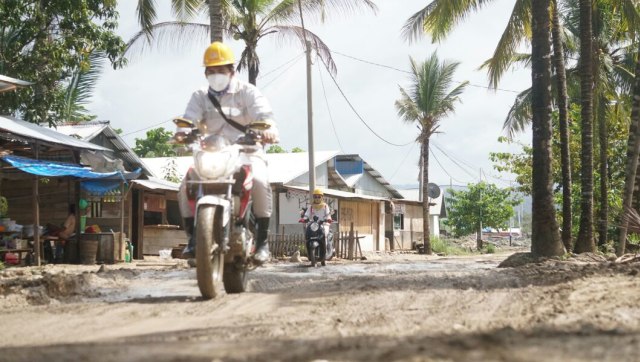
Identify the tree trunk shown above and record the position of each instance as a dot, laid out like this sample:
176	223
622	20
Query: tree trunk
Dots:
425	196
545	237
585	242
603	219
253	63
561	79
633	152
216	22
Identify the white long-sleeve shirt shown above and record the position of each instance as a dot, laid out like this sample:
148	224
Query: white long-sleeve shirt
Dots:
242	102
322	211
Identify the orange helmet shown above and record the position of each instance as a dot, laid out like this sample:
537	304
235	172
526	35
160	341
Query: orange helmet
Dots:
218	54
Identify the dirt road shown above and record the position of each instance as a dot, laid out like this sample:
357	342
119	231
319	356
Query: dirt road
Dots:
405	307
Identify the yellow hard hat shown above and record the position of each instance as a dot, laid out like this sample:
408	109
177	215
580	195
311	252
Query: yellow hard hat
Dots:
318	192
218	54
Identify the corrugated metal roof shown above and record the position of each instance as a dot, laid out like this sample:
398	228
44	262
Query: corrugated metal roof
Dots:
283	167
154	183
28	130
91	130
341	194
371	171
9	84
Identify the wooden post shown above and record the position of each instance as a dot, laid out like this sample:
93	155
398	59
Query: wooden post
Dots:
358	247
36	214
121	241
351	243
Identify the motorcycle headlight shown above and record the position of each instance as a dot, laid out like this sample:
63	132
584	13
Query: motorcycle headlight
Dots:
217	165
314	227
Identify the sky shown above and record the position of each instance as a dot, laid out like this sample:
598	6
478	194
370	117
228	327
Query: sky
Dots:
372	62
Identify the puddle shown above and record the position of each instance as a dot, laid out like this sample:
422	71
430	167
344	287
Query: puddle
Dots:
154	285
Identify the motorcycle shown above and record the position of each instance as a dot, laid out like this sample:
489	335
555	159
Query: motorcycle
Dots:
316	245
219	191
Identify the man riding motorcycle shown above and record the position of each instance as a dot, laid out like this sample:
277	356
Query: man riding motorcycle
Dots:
224	108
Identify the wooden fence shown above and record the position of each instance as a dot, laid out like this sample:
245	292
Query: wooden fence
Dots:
346	244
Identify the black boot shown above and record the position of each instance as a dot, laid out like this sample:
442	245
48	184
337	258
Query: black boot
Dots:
262	246
189	251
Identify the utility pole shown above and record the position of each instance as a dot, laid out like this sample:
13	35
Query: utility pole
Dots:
312	163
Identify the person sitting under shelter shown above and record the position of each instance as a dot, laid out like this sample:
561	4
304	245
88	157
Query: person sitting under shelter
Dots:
63	232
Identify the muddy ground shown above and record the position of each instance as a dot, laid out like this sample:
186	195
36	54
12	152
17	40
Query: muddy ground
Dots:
401	307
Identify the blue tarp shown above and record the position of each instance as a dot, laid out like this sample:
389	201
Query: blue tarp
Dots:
100	187
55	169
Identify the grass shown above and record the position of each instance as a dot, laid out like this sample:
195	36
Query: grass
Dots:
446	247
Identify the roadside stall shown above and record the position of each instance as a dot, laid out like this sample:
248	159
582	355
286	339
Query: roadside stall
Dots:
40	176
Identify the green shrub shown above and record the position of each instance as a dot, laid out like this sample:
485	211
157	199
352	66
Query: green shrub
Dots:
446	247
489	248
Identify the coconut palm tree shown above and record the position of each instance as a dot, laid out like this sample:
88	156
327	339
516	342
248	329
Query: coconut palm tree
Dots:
426	104
584	241
545	237
248	21
438	19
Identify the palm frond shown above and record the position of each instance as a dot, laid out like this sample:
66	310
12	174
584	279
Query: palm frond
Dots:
287	11
146	11
172	36
81	87
438	18
187	10
518	29
285	32
520	114
429	98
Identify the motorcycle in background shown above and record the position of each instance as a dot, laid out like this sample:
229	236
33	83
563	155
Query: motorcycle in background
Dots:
220	192
318	249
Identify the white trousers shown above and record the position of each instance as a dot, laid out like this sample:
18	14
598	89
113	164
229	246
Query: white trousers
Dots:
260	193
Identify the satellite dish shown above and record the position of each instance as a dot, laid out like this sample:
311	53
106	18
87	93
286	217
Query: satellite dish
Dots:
433	190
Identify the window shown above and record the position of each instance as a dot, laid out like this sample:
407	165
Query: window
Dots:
398	221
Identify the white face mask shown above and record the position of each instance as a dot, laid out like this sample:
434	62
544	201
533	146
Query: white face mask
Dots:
218	82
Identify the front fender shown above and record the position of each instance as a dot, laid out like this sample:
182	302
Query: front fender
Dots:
216	201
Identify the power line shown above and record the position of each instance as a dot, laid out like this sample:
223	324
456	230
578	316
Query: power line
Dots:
442	167
326	101
281	65
281	73
146	128
456	162
401	163
360	117
408	72
472	167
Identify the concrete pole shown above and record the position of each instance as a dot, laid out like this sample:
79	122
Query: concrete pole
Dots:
312	168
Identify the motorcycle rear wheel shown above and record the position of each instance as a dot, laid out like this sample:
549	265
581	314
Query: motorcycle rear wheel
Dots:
209	255
235	278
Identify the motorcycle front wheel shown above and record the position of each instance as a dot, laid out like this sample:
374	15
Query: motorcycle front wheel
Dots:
209	254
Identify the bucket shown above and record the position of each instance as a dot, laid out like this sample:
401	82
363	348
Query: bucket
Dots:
88	251
71	251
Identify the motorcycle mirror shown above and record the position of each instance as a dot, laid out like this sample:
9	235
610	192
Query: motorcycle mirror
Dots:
260	125
179	138
183	122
